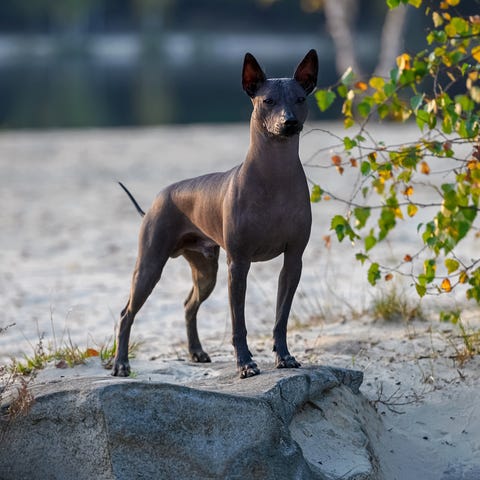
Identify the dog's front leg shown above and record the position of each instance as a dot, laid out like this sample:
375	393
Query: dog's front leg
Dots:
237	287
287	285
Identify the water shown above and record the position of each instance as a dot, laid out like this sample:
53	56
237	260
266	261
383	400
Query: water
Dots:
127	80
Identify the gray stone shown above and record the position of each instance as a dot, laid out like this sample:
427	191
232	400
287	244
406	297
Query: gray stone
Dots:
212	426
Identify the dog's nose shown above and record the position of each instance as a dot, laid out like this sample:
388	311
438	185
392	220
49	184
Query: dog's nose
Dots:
290	122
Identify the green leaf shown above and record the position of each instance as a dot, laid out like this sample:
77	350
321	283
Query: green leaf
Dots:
452	265
370	241
338	224
361	257
416	102
361	214
349	143
373	273
421	290
430	268
316	194
363	109
393	3
324	99
365	168
347	77
422	118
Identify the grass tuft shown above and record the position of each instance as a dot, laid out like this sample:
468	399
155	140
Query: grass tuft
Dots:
393	305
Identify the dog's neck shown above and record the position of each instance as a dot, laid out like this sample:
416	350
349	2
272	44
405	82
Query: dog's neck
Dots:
272	154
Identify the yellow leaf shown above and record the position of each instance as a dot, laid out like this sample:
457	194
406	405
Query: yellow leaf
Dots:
408	191
398	213
412	209
377	83
475	94
425	168
476	53
453	3
437	19
443	5
446	285
463	277
403	61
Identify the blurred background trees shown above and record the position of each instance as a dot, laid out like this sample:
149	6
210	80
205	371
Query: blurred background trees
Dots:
80	63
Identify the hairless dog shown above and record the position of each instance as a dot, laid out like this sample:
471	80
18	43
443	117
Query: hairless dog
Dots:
255	212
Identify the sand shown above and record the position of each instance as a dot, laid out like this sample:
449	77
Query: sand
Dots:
68	244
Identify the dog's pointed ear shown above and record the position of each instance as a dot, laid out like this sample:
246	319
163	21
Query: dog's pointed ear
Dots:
307	72
252	75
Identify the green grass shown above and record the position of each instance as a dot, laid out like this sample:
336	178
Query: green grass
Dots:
393	305
66	355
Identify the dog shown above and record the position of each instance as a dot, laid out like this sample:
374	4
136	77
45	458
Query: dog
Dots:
255	212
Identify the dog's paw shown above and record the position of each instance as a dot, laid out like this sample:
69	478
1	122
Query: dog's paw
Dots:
121	369
287	362
250	369
200	357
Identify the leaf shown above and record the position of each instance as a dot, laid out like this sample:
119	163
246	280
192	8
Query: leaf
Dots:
416	102
324	99
361	257
316	194
377	83
349	143
373	273
421	290
412	209
407	258
361	214
365	168
446	286
393	3
370	241
476	53
403	61
347	77
424	168
388	277
361	86
363	109
336	160
415	3
91	352
430	268
452	265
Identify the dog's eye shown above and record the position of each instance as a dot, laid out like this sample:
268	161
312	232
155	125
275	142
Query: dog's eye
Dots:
269	101
300	99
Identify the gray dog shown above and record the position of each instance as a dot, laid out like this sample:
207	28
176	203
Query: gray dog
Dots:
255	212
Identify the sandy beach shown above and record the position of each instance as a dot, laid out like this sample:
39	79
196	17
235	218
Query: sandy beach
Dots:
68	244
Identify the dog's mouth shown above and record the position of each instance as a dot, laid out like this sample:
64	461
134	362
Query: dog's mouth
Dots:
288	130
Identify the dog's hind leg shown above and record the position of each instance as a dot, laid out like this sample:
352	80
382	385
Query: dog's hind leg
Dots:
154	251
204	275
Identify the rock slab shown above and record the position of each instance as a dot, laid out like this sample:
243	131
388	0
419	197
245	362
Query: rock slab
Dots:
213	426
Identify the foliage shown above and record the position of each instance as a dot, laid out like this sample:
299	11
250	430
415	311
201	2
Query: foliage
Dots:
439	89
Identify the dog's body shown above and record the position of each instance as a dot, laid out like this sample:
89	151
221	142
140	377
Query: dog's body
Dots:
255	212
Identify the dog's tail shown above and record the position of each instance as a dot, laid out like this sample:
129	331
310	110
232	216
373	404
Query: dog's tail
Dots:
131	197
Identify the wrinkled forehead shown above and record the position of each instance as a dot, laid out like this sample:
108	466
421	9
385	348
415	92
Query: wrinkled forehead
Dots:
280	87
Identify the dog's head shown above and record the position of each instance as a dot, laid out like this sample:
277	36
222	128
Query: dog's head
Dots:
279	105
